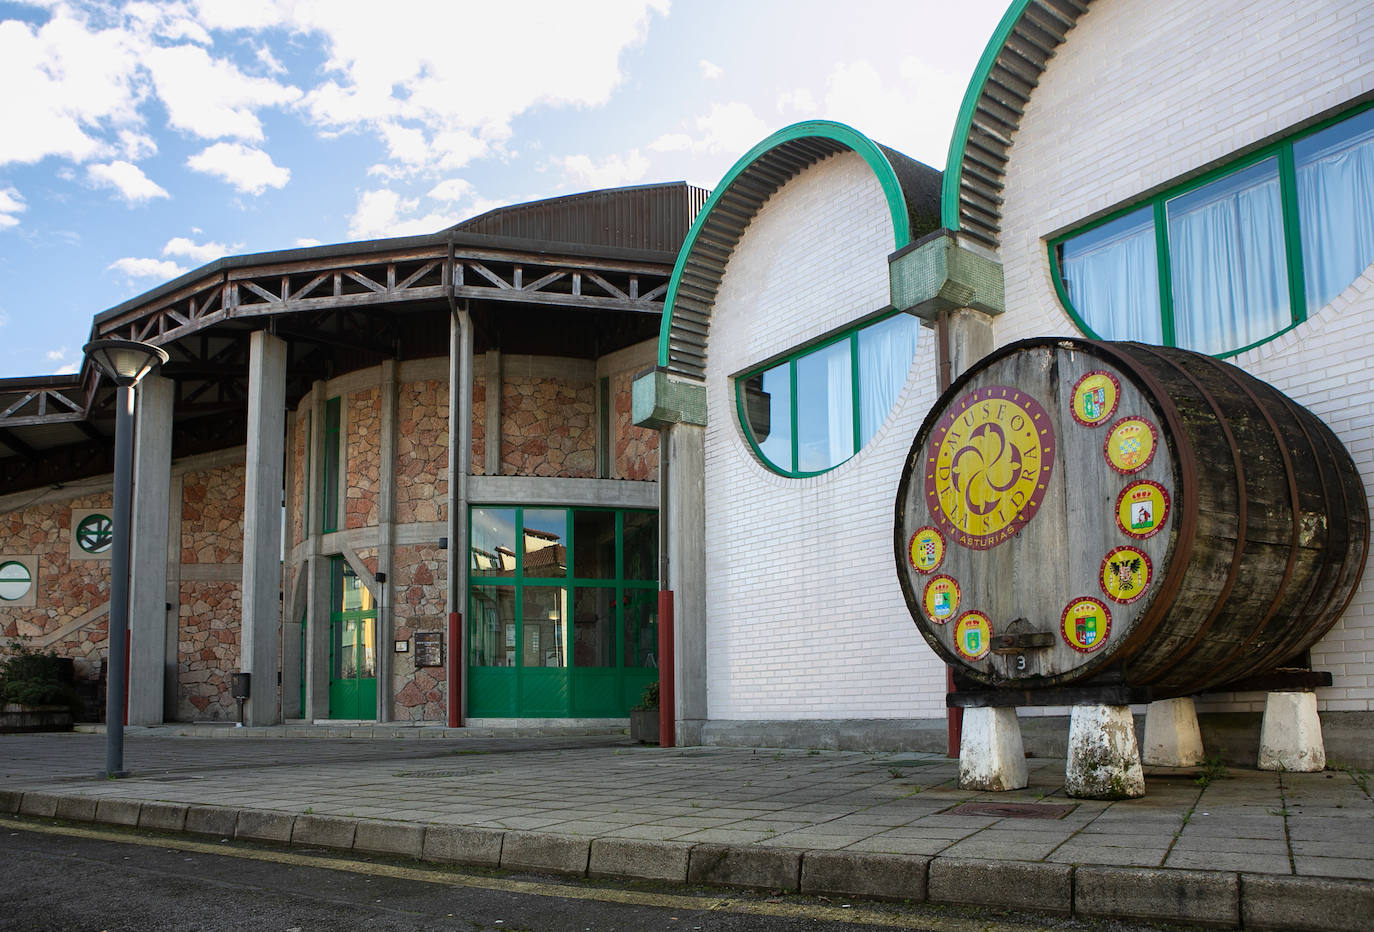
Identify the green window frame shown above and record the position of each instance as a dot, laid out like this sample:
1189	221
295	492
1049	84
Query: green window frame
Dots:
1155	210
791	378
333	465
590	646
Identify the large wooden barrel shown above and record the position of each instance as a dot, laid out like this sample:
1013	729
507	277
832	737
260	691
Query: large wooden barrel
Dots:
1075	511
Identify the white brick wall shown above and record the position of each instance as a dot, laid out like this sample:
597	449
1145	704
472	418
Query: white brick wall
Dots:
1142	94
805	617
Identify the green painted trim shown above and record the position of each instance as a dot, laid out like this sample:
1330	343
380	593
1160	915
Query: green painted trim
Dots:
963	124
824	129
791	358
1282	152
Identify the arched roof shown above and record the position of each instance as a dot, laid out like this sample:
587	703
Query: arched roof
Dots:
911	189
1015	57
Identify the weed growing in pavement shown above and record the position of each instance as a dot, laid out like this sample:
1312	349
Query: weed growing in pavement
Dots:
894	772
1358	774
812	753
1212	769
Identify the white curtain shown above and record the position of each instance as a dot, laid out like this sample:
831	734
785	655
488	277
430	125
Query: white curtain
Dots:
886	350
825	408
1112	275
1335	173
1227	261
839	377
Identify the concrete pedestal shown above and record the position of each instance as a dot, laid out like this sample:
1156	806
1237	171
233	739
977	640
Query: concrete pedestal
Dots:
1291	736
1103	761
990	753
1172	737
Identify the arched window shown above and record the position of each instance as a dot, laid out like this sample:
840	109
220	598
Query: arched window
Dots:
1230	260
819	405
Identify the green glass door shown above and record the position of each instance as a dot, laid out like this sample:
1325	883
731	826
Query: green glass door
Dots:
352	646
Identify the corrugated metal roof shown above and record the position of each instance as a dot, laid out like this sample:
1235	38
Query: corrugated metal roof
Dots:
653	216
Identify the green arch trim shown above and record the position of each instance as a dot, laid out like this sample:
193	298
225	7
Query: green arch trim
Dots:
954	161
847	136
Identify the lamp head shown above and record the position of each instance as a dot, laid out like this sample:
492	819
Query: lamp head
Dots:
124	362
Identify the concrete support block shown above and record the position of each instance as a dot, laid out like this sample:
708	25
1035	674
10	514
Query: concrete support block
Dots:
1291	734
211	820
1104	762
644	860
148	614
404	838
10	801
1203	897
561	854
990	753
855	873
460	844
324	831
1034	885
261	825
1172	737
162	817
1272	901
760	868
118	811
261	626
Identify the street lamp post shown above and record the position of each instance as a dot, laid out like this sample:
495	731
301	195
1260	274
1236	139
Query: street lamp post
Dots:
124	362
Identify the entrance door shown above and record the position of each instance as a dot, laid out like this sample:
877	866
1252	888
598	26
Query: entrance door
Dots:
352	646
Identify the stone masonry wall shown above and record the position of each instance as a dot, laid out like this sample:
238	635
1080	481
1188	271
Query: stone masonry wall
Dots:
422	452
363	428
299	437
207	650
636	448
479	424
65	589
420	584
547	427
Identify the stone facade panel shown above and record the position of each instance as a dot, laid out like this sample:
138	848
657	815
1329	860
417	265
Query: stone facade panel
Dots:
207	650
422	445
363	424
212	516
421	577
547	427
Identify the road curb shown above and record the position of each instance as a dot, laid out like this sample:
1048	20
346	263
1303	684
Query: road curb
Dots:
1217	898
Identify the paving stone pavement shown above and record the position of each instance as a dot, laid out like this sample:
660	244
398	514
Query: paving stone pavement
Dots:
1236	848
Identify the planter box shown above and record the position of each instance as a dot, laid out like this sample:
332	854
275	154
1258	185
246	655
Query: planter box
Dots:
17	718
644	726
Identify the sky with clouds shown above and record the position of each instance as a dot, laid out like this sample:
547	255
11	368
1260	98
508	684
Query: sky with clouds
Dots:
143	139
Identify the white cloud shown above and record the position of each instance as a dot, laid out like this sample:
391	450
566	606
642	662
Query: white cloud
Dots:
127	179
64	82
710	70
726	127
134	145
451	190
57	354
247	169
11	203
199	253
385	213
304	241
68	368
147	268
210	97
611	172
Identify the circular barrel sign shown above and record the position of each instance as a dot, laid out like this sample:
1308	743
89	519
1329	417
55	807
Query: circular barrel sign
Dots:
1070	505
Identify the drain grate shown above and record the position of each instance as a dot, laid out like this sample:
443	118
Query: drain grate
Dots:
1013	810
441	774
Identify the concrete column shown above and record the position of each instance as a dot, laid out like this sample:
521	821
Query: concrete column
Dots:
991	756
682	483
1104	762
460	410
316	570
386	542
1291	734
291	624
492	457
1172	737
148	550
262	501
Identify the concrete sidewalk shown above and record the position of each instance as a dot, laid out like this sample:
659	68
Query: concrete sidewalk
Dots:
1237	849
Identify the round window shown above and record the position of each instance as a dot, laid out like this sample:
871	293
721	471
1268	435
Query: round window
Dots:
15	580
95	533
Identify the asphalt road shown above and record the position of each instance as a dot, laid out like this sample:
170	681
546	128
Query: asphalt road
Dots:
67	877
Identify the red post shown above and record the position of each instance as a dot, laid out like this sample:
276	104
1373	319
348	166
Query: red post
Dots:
667	737
954	718
455	669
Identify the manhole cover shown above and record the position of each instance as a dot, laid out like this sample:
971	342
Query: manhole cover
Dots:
440	774
1013	810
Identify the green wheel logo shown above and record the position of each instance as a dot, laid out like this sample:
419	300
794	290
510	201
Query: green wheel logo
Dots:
95	533
14	580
